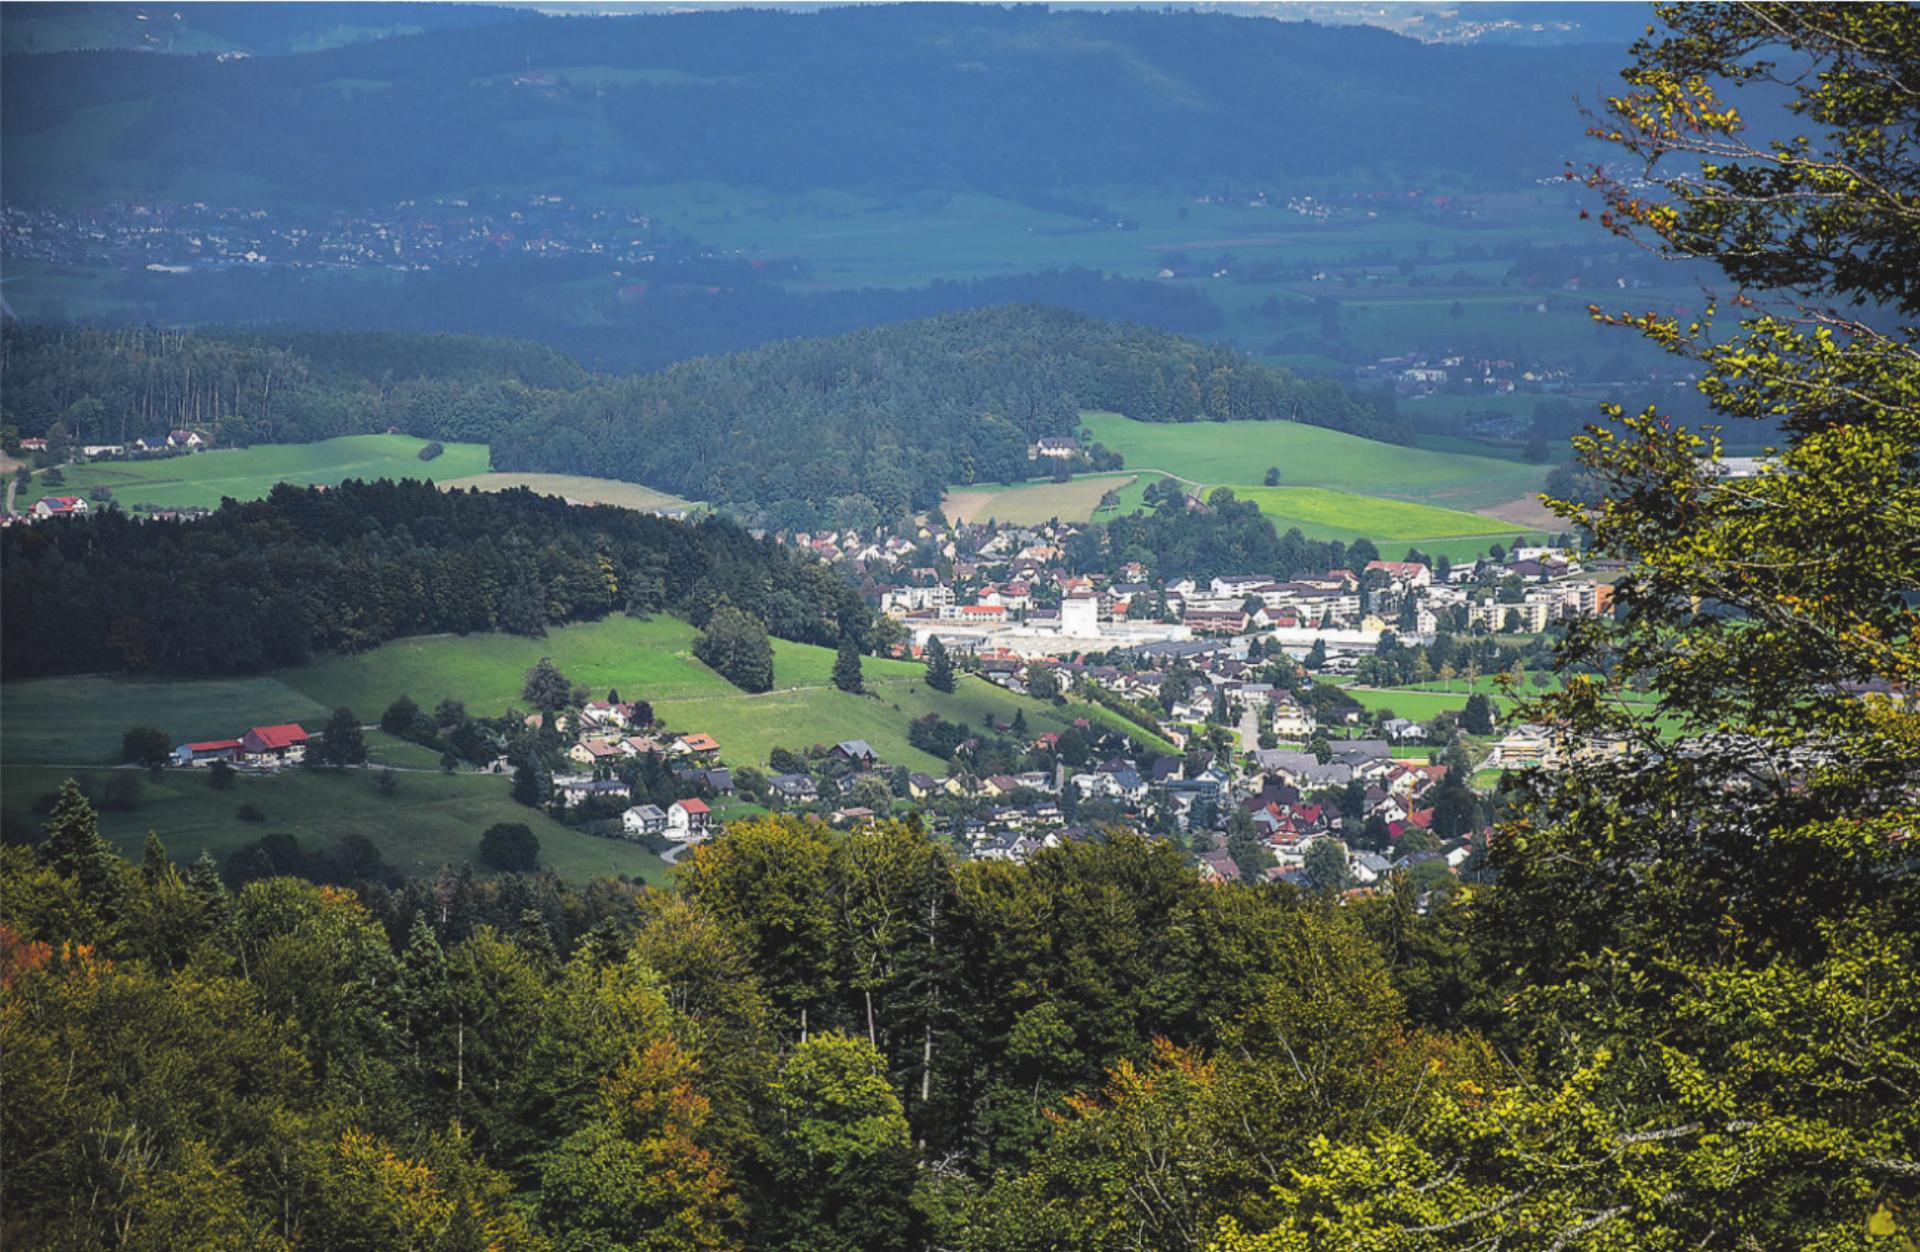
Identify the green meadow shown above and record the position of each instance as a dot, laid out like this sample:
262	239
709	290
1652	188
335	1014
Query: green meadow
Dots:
1235	453
431	820
56	727
1322	513
203	479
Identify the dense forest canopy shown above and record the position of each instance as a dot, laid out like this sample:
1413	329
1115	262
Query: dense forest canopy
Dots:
86	385
1017	101
896	413
899	413
271	582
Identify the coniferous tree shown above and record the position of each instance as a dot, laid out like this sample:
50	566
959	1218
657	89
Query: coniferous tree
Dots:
846	667
939	665
1477	717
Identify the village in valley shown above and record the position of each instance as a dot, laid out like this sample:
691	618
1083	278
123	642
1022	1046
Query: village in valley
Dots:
1249	717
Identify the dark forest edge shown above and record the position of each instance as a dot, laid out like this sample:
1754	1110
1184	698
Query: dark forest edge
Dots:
271	582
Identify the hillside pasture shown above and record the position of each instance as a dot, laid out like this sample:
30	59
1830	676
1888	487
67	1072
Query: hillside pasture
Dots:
1029	504
59	726
431	820
1321	513
1231	453
578	487
203	479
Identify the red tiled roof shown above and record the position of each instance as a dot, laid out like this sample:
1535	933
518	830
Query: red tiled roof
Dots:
214	745
694	806
283	736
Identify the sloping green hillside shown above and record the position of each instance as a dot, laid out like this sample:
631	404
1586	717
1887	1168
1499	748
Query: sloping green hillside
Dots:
78	721
203	479
1237	453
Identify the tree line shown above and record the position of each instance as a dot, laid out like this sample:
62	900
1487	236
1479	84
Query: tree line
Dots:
271	582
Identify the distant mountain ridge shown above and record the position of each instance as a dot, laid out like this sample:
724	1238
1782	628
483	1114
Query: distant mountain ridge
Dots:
1019	102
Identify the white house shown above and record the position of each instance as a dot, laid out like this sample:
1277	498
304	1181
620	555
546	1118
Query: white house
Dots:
643	819
687	820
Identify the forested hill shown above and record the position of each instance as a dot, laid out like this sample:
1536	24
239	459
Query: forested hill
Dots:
1018	101
897	413
102	386
270	582
901	412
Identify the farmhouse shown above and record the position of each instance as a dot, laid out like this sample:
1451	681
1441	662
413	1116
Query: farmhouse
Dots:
206	753
274	745
60	506
1057	447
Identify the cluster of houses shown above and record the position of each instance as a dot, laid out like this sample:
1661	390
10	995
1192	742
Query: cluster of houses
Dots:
171	237
608	734
989	589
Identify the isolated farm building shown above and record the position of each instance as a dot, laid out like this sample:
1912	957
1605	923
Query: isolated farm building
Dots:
268	745
206	753
1059	447
60	506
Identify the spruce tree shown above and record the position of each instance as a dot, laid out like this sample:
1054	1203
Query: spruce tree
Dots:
75	849
939	665
154	864
846	667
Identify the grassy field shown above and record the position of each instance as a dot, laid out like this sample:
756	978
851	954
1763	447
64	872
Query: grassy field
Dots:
50	728
205	478
1322	513
577	487
1028	504
1233	453
431	820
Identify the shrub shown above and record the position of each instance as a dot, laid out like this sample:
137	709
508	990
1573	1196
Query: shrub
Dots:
431	451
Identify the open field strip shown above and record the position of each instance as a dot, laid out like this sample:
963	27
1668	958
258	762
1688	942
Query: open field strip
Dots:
576	487
203	479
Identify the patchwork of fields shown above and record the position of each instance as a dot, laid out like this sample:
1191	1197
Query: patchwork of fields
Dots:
203	479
